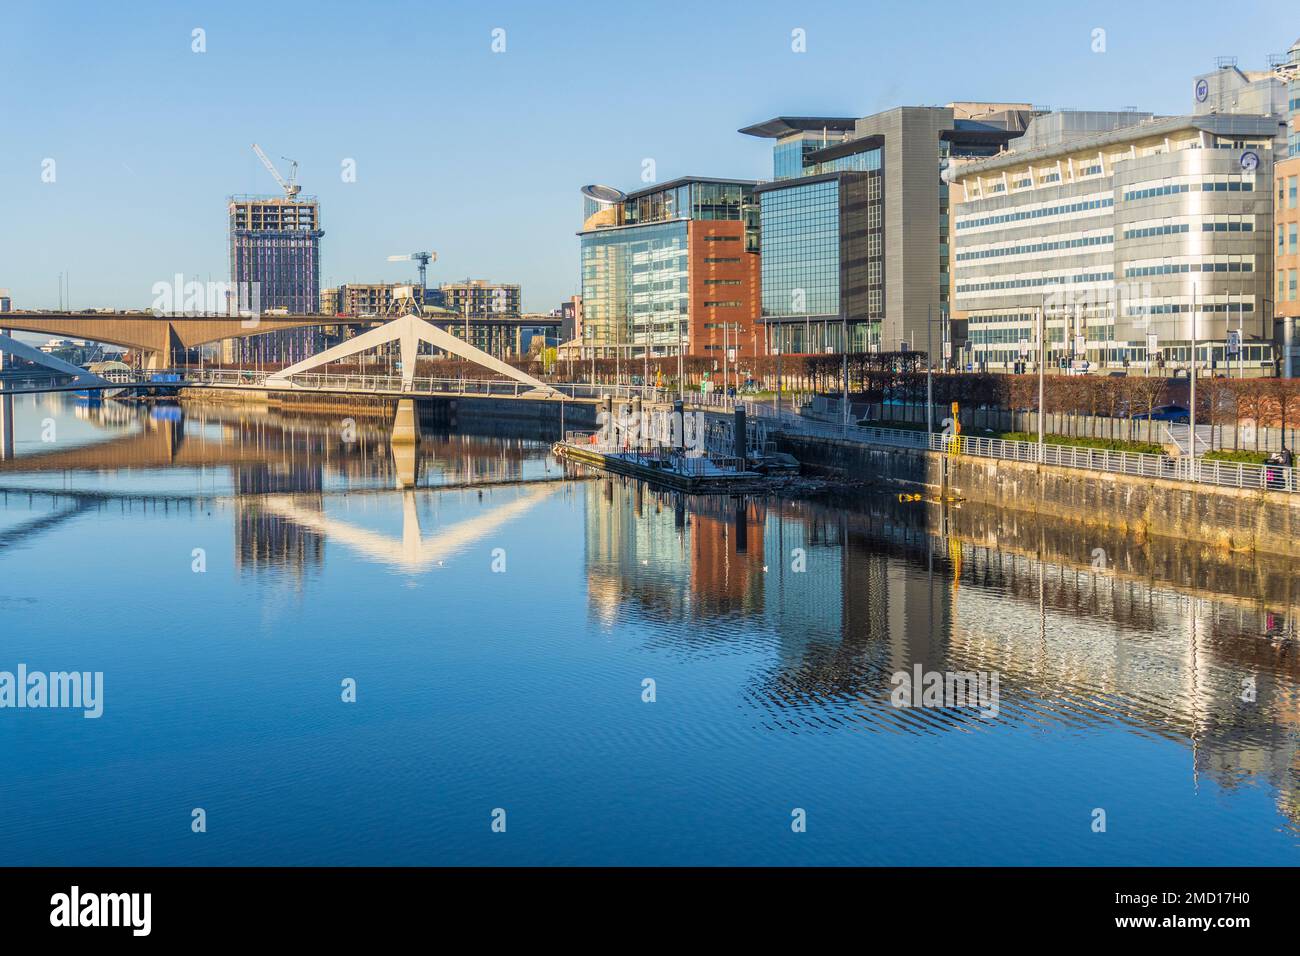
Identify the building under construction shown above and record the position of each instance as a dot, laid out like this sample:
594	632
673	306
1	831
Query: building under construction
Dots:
362	299
275	249
481	299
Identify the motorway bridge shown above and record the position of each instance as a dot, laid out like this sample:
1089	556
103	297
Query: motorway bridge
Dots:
162	339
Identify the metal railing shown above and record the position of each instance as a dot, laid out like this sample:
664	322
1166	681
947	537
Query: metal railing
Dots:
1231	474
423	384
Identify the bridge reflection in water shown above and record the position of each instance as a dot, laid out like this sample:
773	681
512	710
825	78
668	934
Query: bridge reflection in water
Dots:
1168	642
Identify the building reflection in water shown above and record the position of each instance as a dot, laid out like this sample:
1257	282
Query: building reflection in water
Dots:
843	598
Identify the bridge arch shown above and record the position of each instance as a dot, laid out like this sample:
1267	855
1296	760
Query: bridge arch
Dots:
409	331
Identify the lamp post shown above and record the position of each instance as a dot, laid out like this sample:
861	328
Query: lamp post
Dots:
724	363
681	382
778	383
1042	370
929	375
844	344
1191	439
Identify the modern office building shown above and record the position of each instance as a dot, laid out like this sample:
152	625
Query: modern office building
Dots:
1130	231
854	224
275	249
672	269
1286	216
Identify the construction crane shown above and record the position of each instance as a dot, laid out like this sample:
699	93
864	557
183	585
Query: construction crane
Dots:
291	188
423	258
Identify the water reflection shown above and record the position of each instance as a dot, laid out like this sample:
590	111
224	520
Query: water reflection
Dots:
820	602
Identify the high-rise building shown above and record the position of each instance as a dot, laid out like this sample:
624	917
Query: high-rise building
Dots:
672	269
275	256
1128	230
1286	220
855	223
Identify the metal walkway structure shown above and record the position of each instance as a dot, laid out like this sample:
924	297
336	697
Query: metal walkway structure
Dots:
80	377
409	331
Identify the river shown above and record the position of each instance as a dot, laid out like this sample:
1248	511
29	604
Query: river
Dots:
316	651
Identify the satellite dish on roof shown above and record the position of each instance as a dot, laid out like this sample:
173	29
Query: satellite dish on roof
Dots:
605	195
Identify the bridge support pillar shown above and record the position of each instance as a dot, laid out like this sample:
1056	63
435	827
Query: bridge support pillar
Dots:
406	429
406	434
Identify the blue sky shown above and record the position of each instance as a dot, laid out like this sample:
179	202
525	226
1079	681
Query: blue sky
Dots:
478	155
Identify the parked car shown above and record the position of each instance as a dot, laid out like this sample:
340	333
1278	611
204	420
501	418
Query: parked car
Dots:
1165	413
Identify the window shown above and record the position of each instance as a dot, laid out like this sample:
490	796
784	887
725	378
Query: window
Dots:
1290	192
1291	239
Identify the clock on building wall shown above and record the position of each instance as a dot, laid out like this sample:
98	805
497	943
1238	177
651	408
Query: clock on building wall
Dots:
1250	161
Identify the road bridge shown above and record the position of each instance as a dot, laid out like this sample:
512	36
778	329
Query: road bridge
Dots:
161	339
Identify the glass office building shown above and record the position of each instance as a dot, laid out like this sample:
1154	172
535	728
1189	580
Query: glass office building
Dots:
822	258
672	267
838	270
635	289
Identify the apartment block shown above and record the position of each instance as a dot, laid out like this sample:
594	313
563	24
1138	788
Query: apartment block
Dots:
376	298
479	298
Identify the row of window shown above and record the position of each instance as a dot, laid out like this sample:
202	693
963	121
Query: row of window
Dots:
1035	282
1032	247
1179	308
1146	232
1230	186
1172	268
1042	213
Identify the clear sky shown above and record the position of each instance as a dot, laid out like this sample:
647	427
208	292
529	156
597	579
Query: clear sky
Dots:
476	154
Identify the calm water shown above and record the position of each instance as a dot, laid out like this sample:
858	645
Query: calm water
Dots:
1162	689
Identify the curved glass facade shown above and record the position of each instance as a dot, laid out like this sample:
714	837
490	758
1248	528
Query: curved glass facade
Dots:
635	286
